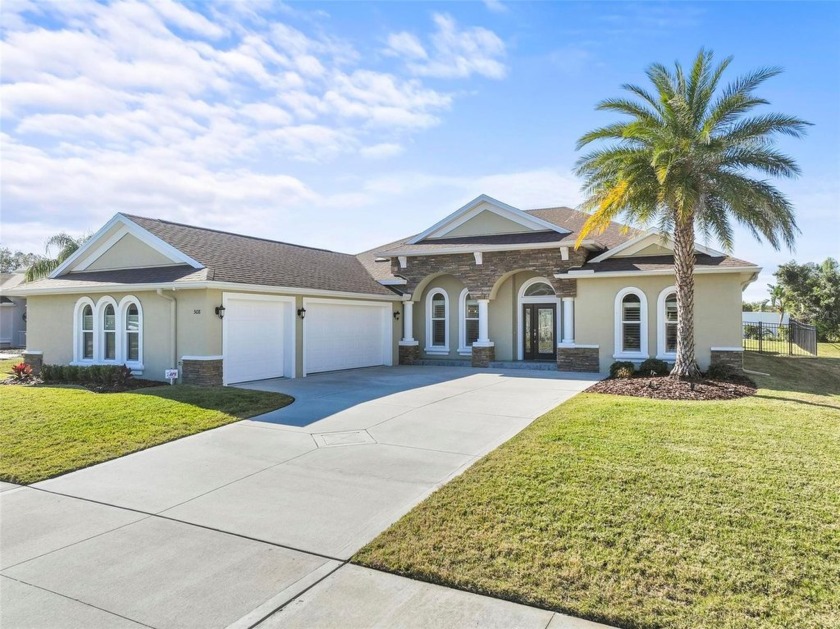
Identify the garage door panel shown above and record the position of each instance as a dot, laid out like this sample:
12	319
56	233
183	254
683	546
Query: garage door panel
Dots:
346	336
255	344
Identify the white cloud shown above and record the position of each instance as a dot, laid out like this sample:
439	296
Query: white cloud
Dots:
496	6
453	52
381	151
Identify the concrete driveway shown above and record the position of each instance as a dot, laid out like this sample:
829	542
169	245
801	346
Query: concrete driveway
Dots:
235	525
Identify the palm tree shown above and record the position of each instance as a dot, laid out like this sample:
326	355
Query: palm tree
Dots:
778	299
66	246
685	161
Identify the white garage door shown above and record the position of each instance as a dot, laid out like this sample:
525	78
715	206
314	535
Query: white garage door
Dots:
255	338
346	335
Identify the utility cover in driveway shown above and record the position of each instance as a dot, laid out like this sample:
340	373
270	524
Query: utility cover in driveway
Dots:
349	438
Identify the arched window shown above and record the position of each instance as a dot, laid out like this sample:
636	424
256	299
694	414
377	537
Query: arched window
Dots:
631	325
538	290
468	322
87	332
109	333
667	318
132	333
437	321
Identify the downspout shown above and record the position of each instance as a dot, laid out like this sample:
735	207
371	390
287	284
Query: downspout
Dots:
173	324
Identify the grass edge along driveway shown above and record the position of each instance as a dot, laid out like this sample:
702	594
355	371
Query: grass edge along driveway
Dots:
643	513
46	431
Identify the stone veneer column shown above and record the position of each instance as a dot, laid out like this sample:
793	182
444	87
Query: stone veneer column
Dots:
409	349
483	350
730	356
35	360
205	371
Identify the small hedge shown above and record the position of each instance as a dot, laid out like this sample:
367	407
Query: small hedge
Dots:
110	375
622	369
653	366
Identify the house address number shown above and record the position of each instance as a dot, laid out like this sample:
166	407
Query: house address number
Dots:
197	311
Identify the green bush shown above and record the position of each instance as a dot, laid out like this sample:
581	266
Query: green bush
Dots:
721	371
107	375
653	366
622	369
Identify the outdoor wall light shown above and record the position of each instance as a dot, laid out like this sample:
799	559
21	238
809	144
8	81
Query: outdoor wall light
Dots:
396	315
301	312
220	312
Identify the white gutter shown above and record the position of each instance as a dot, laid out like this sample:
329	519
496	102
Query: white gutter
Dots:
235	286
468	249
587	274
173	324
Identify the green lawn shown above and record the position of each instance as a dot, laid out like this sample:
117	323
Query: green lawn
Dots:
642	513
50	430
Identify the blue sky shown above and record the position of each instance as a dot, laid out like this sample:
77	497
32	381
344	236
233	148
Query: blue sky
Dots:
348	125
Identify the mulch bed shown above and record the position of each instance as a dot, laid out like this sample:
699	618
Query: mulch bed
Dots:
131	385
667	388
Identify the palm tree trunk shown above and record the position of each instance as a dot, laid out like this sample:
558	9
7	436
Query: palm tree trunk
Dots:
685	366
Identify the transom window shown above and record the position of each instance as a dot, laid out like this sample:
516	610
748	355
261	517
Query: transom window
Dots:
108	332
437	321
538	290
631	324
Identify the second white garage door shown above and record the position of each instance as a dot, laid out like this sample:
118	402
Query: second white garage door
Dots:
346	335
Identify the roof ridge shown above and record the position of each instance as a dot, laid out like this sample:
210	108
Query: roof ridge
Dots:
228	233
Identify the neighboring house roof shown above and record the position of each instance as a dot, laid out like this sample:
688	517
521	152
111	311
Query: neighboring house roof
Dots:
11	280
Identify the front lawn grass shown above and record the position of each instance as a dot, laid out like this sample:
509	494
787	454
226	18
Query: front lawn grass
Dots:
50	430
643	513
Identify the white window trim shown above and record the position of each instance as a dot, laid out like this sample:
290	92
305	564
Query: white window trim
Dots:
122	349
536	299
661	322
618	346
437	349
463	348
99	332
78	337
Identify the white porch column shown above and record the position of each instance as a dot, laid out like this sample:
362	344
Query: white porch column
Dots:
483	324
408	324
568	320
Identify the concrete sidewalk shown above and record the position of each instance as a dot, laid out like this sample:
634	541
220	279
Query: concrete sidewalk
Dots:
229	526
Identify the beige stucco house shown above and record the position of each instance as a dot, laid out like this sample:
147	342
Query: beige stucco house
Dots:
489	285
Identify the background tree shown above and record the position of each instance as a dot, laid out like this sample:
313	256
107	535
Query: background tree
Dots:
10	262
685	160
65	246
778	300
812	294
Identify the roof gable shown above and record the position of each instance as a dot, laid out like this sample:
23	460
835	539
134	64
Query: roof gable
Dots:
103	249
483	216
648	243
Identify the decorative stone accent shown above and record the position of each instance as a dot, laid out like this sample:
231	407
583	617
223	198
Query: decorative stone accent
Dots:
480	278
581	359
202	372
730	357
483	356
409	354
35	360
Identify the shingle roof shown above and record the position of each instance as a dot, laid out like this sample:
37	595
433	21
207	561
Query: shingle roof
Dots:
663	263
124	277
249	260
573	220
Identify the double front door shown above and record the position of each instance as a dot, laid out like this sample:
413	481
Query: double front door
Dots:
539	326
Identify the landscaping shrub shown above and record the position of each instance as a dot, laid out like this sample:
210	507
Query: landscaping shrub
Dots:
721	371
21	372
107	375
654	367
622	369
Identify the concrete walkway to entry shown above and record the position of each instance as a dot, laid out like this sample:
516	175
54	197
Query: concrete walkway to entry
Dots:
254	522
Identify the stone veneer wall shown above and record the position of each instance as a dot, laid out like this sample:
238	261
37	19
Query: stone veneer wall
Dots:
582	359
409	354
733	359
205	373
35	360
481	278
483	356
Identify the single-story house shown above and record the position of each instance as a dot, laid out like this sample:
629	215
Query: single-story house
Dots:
12	312
489	284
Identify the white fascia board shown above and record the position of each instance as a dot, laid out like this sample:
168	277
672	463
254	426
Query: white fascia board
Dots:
667	241
503	209
129	227
228	286
586	244
588	274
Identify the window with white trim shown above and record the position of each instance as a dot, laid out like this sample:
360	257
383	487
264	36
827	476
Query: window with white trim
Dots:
468	322
437	321
631	324
539	289
667	318
107	332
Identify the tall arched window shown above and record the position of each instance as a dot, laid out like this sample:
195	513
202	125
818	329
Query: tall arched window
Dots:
468	322
437	321
667	318
109	333
132	333
86	324
631	323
